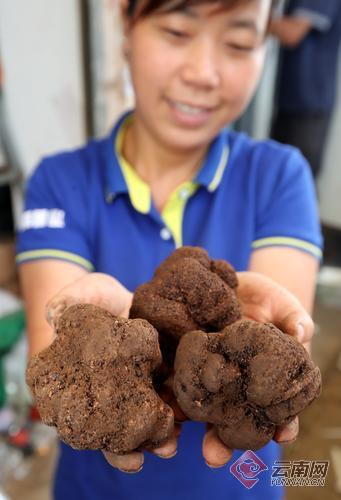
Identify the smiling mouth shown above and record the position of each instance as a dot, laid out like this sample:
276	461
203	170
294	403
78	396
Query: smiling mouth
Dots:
191	109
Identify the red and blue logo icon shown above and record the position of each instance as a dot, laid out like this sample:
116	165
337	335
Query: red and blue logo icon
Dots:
247	467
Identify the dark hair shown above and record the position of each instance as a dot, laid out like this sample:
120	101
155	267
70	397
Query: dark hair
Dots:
150	6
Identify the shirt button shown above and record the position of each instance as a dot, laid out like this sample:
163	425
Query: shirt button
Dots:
165	234
184	193
110	197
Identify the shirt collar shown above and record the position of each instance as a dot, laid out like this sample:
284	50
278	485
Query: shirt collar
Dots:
215	163
115	181
209	175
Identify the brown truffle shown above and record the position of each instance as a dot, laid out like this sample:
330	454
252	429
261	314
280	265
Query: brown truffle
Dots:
189	291
245	380
94	382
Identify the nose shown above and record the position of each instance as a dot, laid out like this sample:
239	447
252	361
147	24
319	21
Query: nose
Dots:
201	67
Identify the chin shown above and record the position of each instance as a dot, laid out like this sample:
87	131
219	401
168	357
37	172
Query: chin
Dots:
182	139
186	144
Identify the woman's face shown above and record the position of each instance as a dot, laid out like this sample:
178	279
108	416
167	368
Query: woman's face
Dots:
195	70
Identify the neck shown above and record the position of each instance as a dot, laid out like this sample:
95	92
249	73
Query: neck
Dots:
161	167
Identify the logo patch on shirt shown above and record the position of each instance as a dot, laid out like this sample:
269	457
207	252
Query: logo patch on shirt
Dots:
40	218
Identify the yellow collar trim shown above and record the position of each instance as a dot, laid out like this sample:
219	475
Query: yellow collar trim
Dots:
174	209
220	170
139	190
140	194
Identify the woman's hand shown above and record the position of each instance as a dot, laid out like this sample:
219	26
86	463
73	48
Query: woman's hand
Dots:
104	291
94	288
261	299
264	300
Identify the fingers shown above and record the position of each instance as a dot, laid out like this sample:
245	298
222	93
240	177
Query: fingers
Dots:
94	288
286	434
132	462
177	430
167	395
291	317
264	300
56	306
215	453
299	324
168	449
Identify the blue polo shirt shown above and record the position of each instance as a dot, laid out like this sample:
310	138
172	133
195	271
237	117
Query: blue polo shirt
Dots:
308	73
89	207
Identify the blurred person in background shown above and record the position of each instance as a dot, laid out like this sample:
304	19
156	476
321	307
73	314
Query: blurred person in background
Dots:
310	33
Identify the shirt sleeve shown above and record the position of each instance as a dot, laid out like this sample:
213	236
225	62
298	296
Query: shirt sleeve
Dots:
287	213
321	13
54	223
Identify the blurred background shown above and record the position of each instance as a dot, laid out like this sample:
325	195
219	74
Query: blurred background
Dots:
62	80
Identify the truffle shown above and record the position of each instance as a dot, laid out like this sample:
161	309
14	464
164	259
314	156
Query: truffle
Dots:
94	382
189	291
245	380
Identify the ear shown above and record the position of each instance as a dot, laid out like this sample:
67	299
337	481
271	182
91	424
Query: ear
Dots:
124	4
124	16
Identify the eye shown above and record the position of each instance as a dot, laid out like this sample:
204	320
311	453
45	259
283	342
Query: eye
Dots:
176	33
240	48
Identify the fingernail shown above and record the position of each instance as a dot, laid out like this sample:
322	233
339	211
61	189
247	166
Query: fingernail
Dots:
300	332
49	316
131	471
288	442
214	466
166	456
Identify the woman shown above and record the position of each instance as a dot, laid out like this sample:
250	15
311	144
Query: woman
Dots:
170	174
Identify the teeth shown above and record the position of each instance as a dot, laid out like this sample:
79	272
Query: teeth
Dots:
188	109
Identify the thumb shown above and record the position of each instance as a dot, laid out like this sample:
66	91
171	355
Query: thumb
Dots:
94	288
299	325
214	451
130	462
56	306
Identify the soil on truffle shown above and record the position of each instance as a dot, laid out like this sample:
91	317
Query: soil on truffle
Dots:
189	291
246	380
94	382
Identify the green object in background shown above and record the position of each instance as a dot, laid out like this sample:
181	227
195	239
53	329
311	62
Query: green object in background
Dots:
11	328
2	386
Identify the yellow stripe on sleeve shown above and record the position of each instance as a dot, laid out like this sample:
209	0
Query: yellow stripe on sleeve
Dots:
285	241
46	253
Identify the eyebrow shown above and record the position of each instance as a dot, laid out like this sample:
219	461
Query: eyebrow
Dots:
248	24
188	11
179	7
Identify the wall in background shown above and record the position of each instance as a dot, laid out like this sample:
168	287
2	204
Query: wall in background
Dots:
111	92
329	185
40	44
